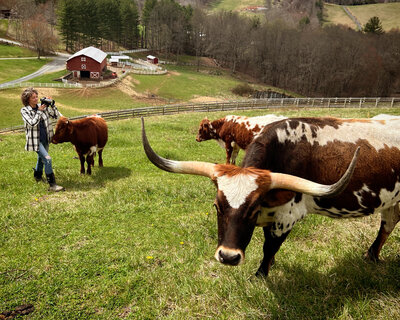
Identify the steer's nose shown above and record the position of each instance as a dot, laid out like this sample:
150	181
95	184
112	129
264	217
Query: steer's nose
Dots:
231	257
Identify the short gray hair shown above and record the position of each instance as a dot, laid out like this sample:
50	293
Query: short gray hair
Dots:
25	96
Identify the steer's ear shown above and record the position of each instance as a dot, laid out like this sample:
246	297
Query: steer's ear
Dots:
277	197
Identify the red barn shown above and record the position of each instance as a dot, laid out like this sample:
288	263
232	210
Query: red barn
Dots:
152	59
88	63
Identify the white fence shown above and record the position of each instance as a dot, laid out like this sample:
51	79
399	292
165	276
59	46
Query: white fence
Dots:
270	103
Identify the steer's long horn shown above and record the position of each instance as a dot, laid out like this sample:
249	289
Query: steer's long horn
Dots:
190	167
285	181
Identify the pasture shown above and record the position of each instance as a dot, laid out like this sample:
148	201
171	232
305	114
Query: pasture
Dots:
334	14
388	14
134	242
181	84
11	70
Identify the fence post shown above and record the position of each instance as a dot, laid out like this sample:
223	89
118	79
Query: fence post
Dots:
376	102
360	105
345	100
391	104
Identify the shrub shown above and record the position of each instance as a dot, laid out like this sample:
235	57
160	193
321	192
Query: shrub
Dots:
243	90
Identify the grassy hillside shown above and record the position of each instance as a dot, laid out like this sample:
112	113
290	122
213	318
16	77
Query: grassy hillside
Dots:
11	69
334	14
235	5
10	51
388	13
134	242
179	85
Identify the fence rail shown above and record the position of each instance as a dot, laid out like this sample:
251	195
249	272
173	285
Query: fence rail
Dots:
270	103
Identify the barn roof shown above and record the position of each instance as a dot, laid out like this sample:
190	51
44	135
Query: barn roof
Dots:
91	52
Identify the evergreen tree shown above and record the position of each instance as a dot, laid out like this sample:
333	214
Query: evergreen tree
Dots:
130	23
374	25
68	23
146	12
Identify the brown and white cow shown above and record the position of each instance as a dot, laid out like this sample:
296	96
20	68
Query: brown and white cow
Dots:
318	149
89	135
234	132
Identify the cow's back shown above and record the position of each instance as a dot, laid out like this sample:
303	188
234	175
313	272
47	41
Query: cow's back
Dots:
90	131
320	149
102	131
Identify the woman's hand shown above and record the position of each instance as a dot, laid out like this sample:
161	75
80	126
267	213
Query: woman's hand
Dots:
42	107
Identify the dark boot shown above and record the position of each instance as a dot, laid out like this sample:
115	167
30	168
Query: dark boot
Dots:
38	175
52	182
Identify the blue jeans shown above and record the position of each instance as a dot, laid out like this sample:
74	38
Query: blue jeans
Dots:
44	159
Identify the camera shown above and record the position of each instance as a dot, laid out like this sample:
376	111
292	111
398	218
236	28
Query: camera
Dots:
48	102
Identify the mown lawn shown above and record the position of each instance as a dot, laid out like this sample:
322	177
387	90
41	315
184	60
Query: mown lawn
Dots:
134	242
12	69
185	83
388	13
10	51
334	14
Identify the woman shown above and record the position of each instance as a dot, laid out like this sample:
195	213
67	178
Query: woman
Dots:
39	131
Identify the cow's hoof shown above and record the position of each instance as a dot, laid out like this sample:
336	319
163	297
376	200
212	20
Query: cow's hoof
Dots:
371	257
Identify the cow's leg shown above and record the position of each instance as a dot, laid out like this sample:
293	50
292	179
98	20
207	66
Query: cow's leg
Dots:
89	161
234	153
271	246
389	219
229	149
100	158
82	159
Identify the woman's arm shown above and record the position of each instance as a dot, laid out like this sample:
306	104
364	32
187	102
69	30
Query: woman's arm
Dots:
53	112
28	119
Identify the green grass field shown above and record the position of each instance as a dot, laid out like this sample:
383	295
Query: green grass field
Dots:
388	13
10	51
334	14
181	84
16	68
134	242
235	5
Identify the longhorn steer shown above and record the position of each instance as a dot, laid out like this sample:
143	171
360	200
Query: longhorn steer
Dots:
234	132
89	135
302	148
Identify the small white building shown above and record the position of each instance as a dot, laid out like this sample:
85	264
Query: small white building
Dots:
117	60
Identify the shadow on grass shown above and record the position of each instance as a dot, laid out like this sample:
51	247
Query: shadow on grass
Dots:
304	293
97	179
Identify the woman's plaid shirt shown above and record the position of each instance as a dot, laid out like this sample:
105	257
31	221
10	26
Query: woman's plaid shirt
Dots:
32	119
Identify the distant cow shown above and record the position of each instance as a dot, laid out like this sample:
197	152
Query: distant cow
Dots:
316	149
88	135
234	132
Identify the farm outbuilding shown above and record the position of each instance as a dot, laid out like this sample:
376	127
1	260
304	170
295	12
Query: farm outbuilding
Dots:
118	60
88	63
152	59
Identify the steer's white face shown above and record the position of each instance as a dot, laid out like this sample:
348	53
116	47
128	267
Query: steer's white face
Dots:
237	188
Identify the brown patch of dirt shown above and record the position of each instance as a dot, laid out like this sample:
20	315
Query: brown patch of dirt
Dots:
174	73
206	99
47	92
125	86
208	62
